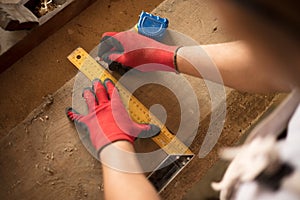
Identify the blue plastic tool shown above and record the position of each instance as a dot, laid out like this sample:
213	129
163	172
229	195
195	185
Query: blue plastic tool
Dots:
152	26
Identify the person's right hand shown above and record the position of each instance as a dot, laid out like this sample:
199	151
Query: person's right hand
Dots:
126	50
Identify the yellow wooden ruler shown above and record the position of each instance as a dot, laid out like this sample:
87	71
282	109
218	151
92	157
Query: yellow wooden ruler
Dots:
138	112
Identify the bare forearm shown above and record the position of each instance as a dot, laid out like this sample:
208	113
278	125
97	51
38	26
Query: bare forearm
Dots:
121	183
236	64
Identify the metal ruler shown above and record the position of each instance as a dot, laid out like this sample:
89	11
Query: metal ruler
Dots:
178	153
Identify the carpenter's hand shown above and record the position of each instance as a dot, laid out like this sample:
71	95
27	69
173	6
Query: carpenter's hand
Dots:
108	120
128	49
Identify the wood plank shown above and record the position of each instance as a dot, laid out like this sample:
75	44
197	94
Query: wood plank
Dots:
27	40
38	163
26	163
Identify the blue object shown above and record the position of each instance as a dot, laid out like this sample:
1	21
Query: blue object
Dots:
152	26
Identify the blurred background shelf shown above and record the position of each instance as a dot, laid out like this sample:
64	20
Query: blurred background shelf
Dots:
16	43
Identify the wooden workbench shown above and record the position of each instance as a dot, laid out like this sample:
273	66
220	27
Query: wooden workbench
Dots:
43	158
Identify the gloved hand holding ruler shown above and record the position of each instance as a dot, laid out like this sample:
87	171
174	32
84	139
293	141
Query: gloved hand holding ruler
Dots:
178	153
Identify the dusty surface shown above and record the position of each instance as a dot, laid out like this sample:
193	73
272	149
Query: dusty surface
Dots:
38	165
22	88
46	68
42	158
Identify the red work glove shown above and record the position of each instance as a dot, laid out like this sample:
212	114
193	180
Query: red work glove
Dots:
128	49
107	120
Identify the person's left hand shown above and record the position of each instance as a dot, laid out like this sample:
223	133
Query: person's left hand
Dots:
107	120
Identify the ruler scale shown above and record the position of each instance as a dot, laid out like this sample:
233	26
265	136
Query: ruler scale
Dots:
178	153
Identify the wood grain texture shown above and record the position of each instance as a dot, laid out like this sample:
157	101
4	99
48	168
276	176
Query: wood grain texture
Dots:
44	159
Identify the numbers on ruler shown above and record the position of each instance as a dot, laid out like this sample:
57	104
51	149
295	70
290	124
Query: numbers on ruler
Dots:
138	112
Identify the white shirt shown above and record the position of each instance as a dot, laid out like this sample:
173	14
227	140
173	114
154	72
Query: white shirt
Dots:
289	152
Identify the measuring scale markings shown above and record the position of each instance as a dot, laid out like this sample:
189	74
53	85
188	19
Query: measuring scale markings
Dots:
138	112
